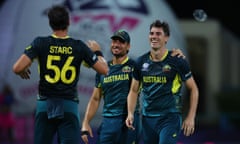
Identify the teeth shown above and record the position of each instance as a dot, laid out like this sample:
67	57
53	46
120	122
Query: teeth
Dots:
154	40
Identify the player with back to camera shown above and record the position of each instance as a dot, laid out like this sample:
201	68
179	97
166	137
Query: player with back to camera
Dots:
59	59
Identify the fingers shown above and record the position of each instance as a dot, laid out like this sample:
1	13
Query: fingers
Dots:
85	139
178	53
187	131
84	135
93	45
181	56
129	124
90	133
25	74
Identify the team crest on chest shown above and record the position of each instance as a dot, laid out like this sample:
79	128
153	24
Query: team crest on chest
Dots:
166	68
126	69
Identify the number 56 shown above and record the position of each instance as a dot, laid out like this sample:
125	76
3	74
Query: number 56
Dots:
60	73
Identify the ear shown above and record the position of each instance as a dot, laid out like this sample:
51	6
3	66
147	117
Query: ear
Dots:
129	46
166	39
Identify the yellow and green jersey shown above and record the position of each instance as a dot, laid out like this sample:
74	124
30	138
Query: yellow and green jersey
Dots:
59	62
161	83
115	87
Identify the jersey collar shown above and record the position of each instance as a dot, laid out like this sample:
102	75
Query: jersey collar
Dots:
123	62
53	35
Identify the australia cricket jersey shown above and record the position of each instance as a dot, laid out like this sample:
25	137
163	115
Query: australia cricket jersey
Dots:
161	83
59	64
115	87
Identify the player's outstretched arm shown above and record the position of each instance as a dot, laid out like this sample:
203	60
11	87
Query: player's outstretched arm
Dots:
101	65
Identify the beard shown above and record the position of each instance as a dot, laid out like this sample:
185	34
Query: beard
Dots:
119	55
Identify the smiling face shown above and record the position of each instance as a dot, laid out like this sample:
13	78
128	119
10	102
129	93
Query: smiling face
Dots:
157	38
119	47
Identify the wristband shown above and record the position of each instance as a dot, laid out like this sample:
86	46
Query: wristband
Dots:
98	53
84	132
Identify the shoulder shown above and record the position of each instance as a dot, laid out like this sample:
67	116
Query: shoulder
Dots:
41	38
78	44
131	61
177	61
76	41
143	56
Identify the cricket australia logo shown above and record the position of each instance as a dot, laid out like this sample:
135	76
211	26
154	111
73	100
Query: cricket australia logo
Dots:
126	69
166	68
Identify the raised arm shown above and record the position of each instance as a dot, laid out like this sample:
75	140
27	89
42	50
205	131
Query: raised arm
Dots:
101	65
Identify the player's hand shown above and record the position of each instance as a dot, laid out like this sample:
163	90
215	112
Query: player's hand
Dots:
25	74
93	45
85	132
129	122
178	53
188	126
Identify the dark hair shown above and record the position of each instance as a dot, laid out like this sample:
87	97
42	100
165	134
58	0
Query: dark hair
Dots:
164	25
58	17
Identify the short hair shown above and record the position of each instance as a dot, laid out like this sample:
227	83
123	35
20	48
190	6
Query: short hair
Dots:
164	25
58	17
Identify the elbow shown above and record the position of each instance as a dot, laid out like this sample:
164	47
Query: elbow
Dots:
105	71
21	64
101	68
16	69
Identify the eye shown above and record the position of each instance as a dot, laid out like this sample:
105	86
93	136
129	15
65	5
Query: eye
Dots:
157	33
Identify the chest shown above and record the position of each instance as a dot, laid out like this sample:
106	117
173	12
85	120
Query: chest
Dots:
118	74
159	70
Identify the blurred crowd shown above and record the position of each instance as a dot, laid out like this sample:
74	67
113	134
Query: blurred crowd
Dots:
6	115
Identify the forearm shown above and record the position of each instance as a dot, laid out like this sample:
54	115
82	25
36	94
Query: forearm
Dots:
90	111
101	66
133	96
22	64
103	62
194	94
132	101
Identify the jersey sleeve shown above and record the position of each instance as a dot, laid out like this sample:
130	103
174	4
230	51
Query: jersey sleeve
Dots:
184	70
89	57
137	69
98	80
32	50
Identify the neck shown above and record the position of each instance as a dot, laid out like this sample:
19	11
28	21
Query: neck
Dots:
119	60
60	33
158	55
